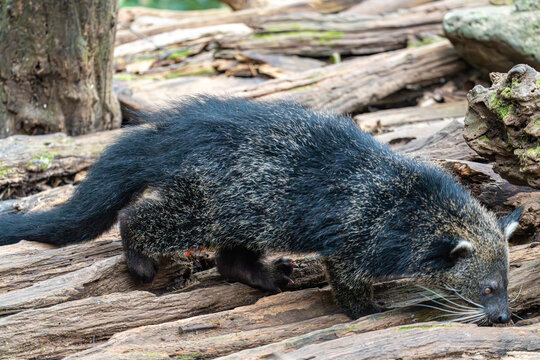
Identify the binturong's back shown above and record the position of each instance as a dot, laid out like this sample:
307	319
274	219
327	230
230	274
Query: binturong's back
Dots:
246	177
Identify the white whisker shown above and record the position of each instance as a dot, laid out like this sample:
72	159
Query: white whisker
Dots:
463	318
438	308
464	298
446	298
516	297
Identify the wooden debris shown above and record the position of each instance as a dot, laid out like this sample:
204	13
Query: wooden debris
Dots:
390	6
218	17
180	36
79	324
426	341
312	34
352	84
28	162
269	319
409	115
22	269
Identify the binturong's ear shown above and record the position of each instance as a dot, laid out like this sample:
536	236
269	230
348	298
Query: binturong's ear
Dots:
510	223
447	252
462	250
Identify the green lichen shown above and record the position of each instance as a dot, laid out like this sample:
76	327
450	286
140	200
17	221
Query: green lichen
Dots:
322	37
178	55
538	82
304	87
5	170
501	107
425	41
40	162
126	77
193	356
507	91
534	152
412	327
142	58
195	73
484	139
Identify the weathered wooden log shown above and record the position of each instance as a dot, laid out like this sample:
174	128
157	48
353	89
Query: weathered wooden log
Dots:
353	84
503	124
28	161
447	143
426	341
410	115
276	66
381	7
313	34
213	17
81	324
390	6
403	135
181	36
116	312
102	277
21	269
270	319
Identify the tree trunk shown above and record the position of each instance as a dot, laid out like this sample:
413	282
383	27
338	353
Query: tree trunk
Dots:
56	68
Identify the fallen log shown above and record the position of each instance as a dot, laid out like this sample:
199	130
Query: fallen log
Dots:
426	341
270	319
116	312
379	120
353	84
21	269
313	34
27	162
81	324
102	277
211	17
447	143
390	6
181	36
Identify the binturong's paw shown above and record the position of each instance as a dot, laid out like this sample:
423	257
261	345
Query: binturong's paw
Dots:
141	267
281	271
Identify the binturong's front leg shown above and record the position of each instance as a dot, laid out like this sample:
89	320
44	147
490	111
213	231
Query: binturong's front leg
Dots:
354	296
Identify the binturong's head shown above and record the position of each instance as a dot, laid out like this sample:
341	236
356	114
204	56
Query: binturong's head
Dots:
468	260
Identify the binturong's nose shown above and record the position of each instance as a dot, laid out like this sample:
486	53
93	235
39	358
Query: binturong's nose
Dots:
502	317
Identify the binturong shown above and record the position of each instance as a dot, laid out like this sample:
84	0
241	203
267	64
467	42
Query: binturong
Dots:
246	177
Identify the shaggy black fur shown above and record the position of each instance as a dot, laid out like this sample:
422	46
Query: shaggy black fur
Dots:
245	176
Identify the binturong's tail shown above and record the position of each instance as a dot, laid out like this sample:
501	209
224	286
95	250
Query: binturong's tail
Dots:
111	183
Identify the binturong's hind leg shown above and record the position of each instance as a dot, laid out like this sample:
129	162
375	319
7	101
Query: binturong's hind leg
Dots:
246	266
139	262
354	296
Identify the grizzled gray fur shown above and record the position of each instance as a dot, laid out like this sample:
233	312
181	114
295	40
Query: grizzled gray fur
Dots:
245	177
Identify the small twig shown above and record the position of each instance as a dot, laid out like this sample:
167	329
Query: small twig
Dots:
183	329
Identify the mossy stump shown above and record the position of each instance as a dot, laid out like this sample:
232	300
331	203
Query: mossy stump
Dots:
503	124
56	68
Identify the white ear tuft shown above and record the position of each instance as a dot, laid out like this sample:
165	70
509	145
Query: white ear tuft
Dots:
510	223
463	249
509	229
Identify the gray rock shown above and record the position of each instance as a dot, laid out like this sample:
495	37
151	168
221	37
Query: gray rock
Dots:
495	38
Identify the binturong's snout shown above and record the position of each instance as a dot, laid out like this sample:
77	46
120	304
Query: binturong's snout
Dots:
500	316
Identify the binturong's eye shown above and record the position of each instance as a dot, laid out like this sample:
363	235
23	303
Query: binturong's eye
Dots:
487	290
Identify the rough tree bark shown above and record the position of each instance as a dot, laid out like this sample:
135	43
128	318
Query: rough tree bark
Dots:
55	73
